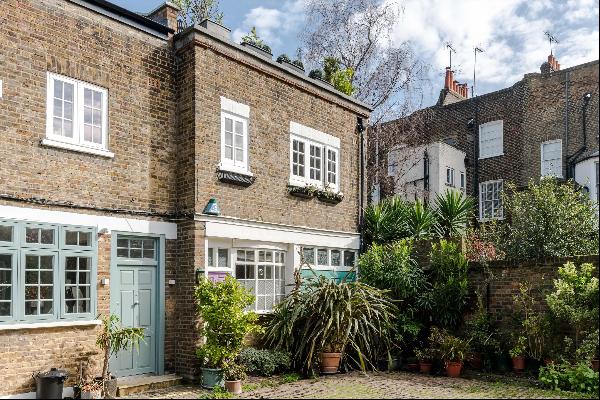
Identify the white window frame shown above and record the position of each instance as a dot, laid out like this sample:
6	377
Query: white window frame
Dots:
329	265
237	112
77	142
500	150
450	173
543	171
496	214
311	137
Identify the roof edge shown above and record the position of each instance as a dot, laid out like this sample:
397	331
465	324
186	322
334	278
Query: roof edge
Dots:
280	67
125	16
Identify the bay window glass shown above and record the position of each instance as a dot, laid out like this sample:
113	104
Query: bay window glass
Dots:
263	273
490	200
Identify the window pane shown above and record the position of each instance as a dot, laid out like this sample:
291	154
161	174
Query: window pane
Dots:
348	258
57	109
122	243
228	139
239	128
88	133
223	258
135	253
85	238
135	243
210	257
97	118
322	258
240	272
309	255
261	273
87	97
68	92
335	258
269	256
6	233
4	307
71	238
122	253
58	89
239	155
97	99
229	153
57	126
32	235
47	236
228	125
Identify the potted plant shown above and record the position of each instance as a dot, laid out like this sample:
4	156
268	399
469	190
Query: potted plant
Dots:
234	375
482	335
113	338
296	65
321	318
425	357
256	44
222	308
328	195
452	350
517	354
307	191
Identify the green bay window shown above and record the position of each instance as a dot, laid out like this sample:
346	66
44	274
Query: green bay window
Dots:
47	272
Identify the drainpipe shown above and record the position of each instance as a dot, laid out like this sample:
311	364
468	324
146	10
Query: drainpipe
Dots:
426	175
572	159
361	128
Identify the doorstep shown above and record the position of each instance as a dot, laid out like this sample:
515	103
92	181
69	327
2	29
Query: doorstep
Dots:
142	383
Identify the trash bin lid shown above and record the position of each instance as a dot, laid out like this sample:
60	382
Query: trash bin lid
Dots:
54	373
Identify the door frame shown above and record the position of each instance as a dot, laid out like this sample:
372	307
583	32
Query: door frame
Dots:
160	292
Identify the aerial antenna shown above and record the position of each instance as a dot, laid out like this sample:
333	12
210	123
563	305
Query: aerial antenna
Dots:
476	50
450	51
551	39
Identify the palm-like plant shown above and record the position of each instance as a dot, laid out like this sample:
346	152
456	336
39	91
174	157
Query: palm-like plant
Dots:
454	210
422	221
387	221
332	317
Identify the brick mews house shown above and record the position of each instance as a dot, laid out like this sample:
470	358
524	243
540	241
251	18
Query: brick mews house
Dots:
116	134
545	124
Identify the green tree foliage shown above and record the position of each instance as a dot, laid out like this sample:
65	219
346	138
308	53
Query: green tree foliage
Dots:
576	378
391	267
253	39
113	338
422	221
575	299
549	219
222	308
449	283
195	11
340	78
386	222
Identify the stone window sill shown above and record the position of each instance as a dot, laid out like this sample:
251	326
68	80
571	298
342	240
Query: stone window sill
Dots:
75	147
54	324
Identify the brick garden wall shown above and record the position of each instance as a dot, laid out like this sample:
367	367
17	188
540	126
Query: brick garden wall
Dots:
508	275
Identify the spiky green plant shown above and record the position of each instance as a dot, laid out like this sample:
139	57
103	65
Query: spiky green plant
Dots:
454	211
387	221
346	317
422	221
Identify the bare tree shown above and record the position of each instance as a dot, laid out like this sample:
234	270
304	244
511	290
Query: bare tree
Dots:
386	75
195	11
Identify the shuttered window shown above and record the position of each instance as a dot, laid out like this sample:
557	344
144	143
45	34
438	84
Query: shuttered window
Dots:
491	139
551	158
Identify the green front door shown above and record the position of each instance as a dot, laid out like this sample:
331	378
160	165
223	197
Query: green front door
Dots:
137	306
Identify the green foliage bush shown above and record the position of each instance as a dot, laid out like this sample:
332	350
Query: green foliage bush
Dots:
221	306
449	284
253	39
454	211
340	78
574	299
265	362
577	378
448	347
549	219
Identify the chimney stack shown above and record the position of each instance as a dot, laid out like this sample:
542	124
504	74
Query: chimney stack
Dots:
449	78
165	14
460	89
551	65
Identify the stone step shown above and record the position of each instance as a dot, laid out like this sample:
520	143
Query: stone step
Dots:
142	383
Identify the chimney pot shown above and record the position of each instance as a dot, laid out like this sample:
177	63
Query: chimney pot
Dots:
449	78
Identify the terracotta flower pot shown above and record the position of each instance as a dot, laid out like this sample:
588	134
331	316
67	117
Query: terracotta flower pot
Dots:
234	387
595	365
330	362
476	361
413	366
453	368
518	364
425	367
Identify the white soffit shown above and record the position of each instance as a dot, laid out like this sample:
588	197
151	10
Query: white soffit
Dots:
133	225
233	228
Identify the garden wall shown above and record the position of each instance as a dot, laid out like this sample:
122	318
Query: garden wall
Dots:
507	275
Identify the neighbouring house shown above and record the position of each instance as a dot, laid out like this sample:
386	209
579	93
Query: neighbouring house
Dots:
136	158
545	124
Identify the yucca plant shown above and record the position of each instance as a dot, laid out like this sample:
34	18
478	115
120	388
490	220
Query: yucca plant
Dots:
345	317
387	221
422	221
454	210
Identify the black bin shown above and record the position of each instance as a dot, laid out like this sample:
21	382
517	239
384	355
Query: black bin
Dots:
49	385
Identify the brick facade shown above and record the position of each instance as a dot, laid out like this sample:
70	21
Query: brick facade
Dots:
164	130
540	107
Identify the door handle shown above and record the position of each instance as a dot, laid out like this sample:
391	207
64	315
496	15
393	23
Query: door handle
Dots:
136	303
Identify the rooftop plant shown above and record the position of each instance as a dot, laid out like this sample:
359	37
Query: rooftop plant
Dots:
253	39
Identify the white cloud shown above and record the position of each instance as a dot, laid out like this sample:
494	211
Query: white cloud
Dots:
511	32
272	23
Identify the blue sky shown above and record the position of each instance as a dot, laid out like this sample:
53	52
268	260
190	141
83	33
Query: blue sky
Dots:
510	31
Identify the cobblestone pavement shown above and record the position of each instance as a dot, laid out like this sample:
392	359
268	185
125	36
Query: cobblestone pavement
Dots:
396	385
